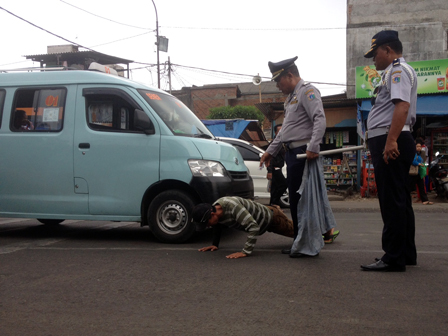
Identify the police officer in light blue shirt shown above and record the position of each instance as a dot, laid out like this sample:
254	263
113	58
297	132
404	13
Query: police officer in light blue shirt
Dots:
302	130
393	148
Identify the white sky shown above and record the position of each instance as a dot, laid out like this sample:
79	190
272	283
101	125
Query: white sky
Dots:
236	36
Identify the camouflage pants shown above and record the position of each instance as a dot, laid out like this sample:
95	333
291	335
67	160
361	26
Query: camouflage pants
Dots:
280	224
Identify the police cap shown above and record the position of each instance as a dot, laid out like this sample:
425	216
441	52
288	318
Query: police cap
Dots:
278	68
383	37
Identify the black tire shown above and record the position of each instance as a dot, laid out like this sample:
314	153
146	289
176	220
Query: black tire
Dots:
284	200
169	216
50	221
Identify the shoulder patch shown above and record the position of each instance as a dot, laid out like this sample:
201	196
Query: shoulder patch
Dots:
395	72
308	91
310	94
396	78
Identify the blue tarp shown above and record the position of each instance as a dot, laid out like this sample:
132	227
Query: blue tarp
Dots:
226	128
430	106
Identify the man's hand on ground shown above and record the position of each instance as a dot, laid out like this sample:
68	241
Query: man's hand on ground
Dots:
236	255
208	248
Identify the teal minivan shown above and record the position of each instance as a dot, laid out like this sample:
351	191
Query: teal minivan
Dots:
92	146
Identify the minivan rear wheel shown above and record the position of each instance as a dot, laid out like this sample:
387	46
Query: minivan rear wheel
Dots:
50	221
169	216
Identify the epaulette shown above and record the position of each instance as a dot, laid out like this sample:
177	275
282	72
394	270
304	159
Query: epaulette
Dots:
406	67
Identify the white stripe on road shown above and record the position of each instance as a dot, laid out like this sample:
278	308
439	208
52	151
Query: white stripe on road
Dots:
42	243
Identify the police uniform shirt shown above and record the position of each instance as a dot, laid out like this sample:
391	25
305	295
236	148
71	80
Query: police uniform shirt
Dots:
304	119
395	84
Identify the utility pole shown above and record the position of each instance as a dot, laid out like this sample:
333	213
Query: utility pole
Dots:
157	43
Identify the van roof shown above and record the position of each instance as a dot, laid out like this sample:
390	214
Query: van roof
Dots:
67	77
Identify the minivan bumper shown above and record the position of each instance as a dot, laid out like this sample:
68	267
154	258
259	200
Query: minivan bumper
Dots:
211	188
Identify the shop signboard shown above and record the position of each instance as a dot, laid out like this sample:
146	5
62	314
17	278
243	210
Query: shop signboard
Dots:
432	77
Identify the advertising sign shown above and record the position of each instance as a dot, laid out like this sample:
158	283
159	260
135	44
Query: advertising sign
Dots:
432	77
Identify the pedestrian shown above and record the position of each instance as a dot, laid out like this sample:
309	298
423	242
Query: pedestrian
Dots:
392	149
241	214
275	174
417	180
302	131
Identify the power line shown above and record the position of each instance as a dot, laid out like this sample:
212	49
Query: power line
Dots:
126	38
63	38
47	31
256	29
189	67
101	17
245	75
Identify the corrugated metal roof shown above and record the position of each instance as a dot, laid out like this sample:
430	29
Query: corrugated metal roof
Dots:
75	56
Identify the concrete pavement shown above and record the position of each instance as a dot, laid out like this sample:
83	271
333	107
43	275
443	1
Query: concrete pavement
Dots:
356	203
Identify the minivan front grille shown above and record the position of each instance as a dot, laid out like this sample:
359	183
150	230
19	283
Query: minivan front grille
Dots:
238	175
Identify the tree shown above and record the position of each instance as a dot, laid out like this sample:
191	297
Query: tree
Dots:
235	112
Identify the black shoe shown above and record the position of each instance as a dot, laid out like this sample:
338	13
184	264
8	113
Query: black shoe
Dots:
301	255
411	263
286	251
381	266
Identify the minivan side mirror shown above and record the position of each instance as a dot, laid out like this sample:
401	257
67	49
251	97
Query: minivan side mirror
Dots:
143	123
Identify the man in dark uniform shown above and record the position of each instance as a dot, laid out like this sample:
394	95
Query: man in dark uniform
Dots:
302	130
392	148
275	174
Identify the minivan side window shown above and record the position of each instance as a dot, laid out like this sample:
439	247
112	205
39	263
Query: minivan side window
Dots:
37	110
2	100
110	110
247	154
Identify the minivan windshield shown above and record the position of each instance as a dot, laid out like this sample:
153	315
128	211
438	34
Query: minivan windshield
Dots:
178	117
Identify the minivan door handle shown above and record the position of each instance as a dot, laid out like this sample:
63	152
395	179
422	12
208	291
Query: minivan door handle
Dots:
84	145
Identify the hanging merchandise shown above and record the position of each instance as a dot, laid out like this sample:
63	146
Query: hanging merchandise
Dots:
346	137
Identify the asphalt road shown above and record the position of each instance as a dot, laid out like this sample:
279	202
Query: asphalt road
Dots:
105	278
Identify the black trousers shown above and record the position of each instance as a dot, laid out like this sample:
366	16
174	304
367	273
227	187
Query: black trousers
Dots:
278	186
392	180
294	172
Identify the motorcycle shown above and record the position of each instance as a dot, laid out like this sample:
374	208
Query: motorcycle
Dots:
439	177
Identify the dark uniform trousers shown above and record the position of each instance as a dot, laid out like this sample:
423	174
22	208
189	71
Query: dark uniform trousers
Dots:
392	180
278	186
294	172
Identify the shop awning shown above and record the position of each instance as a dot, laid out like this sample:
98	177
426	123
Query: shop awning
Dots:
430	106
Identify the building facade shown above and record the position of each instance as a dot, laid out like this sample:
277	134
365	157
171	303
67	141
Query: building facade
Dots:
422	26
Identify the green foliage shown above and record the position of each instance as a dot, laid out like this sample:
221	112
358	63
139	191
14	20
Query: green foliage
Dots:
235	112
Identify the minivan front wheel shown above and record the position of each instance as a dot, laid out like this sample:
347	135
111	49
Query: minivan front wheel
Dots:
169	216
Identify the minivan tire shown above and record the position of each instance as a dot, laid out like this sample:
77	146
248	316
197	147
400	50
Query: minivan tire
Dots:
169	216
50	221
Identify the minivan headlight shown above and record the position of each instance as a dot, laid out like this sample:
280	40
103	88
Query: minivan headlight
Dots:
206	168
